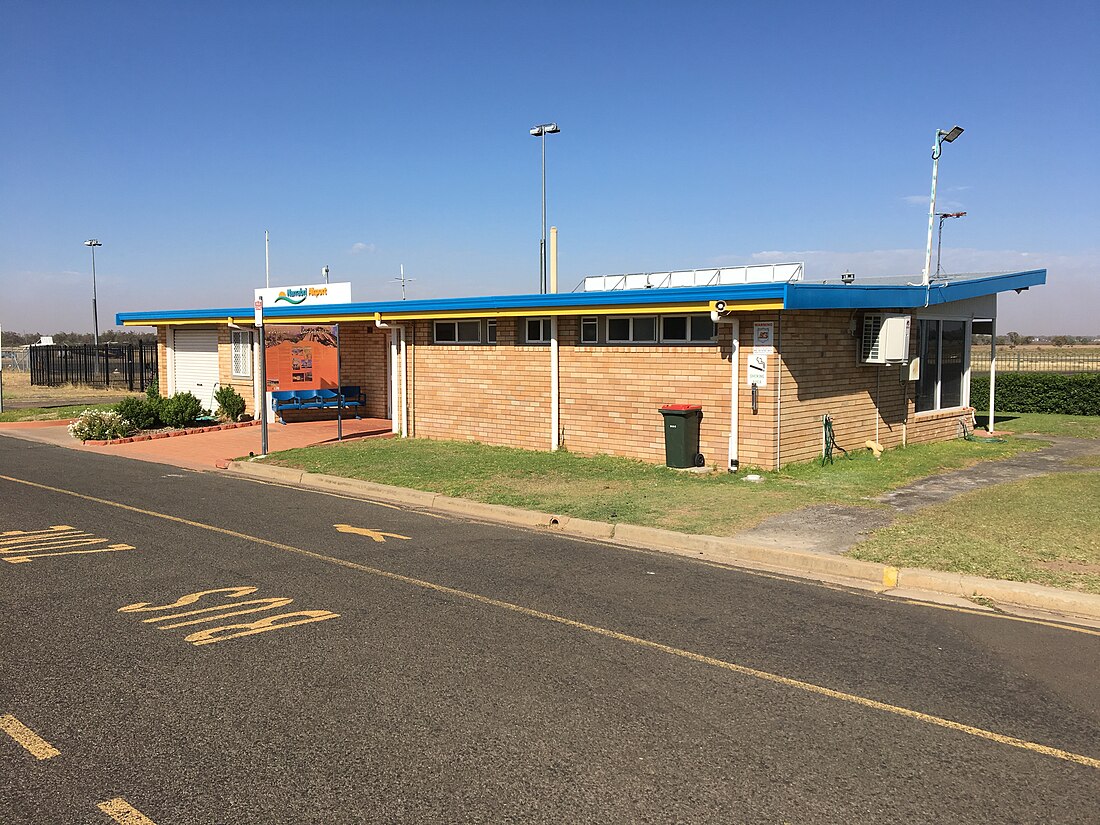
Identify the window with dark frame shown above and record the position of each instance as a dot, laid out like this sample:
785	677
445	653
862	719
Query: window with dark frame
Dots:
458	332
538	331
491	331
590	330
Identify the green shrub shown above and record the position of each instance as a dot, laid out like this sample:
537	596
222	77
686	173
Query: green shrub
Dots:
180	410
155	402
138	412
99	425
230	403
1040	392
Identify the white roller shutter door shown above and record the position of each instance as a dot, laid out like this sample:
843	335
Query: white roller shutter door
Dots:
196	363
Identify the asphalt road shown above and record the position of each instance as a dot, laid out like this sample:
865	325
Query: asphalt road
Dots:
436	670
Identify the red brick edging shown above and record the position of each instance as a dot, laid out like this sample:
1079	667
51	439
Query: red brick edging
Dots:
173	433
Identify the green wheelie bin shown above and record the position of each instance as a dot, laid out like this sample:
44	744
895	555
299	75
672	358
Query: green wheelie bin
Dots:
682	435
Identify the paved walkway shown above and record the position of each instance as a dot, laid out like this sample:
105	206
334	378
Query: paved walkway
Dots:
203	451
837	528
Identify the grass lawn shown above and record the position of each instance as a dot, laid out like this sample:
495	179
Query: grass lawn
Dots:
49	413
612	489
1079	426
1043	530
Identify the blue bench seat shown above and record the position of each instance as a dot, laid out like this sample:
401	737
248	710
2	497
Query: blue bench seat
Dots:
325	399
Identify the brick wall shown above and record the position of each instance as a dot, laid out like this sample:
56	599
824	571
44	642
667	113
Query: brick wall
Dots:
226	378
162	360
493	394
363	353
820	375
610	395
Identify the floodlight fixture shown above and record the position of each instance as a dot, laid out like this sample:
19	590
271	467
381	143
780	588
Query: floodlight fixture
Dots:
541	131
942	137
92	243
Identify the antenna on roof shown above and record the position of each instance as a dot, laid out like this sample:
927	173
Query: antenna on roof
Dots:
403	280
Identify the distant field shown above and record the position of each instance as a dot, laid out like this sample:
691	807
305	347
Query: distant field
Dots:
17	387
1037	358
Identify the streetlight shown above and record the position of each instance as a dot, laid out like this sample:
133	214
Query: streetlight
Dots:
939	242
93	243
541	131
937	145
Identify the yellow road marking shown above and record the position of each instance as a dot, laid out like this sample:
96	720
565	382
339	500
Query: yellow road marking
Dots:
38	747
110	549
378	536
123	812
785	577
763	675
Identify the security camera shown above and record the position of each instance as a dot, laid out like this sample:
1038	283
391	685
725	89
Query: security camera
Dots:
720	306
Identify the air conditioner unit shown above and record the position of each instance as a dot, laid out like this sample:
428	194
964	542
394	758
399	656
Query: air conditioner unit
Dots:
885	339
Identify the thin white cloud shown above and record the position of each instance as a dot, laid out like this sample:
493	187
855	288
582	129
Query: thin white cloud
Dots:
359	246
943	204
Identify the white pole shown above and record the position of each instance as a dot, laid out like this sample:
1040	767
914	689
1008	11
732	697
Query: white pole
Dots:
735	391
267	258
395	382
992	377
555	388
1	368
404	386
932	209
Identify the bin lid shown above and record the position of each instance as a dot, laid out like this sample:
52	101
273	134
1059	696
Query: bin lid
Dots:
681	407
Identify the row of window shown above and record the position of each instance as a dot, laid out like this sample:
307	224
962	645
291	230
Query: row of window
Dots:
616	329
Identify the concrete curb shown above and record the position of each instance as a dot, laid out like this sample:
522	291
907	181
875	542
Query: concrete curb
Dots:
868	575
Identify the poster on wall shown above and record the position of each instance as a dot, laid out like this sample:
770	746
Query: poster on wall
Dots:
763	337
757	374
300	357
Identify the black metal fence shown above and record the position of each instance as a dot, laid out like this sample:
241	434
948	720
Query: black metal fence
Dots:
118	366
1034	362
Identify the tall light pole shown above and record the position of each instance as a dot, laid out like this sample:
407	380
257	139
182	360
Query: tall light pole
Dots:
93	243
541	131
939	241
941	136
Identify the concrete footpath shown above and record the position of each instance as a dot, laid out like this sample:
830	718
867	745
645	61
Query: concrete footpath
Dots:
904	582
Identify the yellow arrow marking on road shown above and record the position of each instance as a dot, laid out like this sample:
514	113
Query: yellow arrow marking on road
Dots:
377	535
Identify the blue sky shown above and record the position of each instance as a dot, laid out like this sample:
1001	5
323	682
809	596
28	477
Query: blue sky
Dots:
365	136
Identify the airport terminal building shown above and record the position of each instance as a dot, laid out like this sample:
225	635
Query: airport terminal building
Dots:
764	352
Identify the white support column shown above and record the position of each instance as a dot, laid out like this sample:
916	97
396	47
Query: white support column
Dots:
404	384
990	427
735	392
555	389
394	391
170	354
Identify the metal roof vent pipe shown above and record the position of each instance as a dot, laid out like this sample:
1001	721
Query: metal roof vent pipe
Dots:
847	277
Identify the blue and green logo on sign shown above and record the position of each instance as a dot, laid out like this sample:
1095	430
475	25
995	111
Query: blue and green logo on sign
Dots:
292	296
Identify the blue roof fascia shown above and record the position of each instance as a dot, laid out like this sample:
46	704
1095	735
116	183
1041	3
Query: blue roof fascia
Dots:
794	294
801	295
626	297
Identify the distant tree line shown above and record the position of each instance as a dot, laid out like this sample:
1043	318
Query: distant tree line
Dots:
1013	339
18	339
